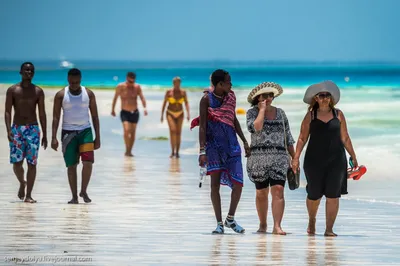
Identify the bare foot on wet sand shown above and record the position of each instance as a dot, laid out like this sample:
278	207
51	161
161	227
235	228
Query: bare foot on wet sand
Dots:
128	154
29	200
278	231
21	191
330	234
177	155
311	227
172	155
262	229
73	201
85	197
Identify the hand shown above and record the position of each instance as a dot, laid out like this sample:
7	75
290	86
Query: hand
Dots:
96	143
10	136
44	142
188	118
295	165
203	160
113	113
54	144
145	112
246	149
355	163
162	119
262	105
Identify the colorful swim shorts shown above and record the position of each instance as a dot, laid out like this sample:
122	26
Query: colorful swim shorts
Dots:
77	143
25	143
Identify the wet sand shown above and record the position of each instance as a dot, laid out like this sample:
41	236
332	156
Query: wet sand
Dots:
148	210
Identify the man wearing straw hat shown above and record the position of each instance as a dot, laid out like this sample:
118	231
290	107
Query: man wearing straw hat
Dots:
325	163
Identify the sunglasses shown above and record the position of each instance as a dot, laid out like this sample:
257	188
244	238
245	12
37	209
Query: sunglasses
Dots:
324	95
268	95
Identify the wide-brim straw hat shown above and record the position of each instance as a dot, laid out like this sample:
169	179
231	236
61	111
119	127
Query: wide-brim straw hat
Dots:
265	87
324	86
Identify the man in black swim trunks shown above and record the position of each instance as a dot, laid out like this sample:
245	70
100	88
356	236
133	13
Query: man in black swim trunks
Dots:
129	91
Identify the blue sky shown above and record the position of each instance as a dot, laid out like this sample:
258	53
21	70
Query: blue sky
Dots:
316	30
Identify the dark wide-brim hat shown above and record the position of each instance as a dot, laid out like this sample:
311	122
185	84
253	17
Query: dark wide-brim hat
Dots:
324	86
265	87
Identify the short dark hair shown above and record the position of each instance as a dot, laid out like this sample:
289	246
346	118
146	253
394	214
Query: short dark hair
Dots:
131	75
255	101
27	63
74	72
218	76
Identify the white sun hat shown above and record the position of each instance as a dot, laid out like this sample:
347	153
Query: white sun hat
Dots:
324	86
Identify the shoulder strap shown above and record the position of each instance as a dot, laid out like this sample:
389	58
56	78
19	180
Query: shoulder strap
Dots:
334	112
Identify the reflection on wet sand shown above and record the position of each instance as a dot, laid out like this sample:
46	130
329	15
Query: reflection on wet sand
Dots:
261	250
232	251
215	254
276	250
24	236
331	253
129	165
175	166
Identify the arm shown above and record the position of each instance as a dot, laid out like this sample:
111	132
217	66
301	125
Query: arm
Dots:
259	121
114	102
187	106
163	106
239	131
204	104
344	134
95	116
42	113
303	137
142	97
289	138
8	109
56	114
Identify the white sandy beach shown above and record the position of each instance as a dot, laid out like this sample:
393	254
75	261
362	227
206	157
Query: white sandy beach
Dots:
148	210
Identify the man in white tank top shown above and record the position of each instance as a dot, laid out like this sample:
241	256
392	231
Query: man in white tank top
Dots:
76	135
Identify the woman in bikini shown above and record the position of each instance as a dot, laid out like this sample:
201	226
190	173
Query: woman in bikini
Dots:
175	98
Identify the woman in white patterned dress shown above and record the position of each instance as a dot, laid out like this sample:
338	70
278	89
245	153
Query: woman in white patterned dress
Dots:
268	163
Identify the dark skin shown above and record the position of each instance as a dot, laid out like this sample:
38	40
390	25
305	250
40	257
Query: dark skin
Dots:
221	89
24	97
76	89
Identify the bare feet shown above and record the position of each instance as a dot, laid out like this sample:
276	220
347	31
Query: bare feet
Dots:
262	228
177	155
85	197
29	200
21	191
73	201
311	227
128	154
330	233
172	155
278	231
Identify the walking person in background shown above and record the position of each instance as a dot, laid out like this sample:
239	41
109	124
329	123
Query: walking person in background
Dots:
24	133
175	98
268	163
219	147
129	91
76	136
325	163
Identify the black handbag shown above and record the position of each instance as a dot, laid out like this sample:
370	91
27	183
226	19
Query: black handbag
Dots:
292	178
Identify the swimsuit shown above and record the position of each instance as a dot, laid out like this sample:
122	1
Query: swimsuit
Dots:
172	100
130	116
25	143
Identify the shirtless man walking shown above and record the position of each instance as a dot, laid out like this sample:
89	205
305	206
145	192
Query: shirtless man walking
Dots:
24	133
129	91
76	136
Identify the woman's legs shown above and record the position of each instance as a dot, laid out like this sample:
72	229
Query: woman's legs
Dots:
262	208
312	207
172	133
332	209
278	207
179	122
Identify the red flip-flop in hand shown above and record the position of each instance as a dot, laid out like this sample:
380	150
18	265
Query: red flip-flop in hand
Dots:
356	173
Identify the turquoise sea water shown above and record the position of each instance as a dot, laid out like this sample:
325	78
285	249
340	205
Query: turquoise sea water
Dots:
196	74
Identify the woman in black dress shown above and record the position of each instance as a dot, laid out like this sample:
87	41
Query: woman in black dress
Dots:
325	163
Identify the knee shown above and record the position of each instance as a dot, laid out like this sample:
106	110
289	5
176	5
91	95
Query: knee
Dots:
87	164
31	166
127	133
18	165
278	192
314	197
215	188
262	194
